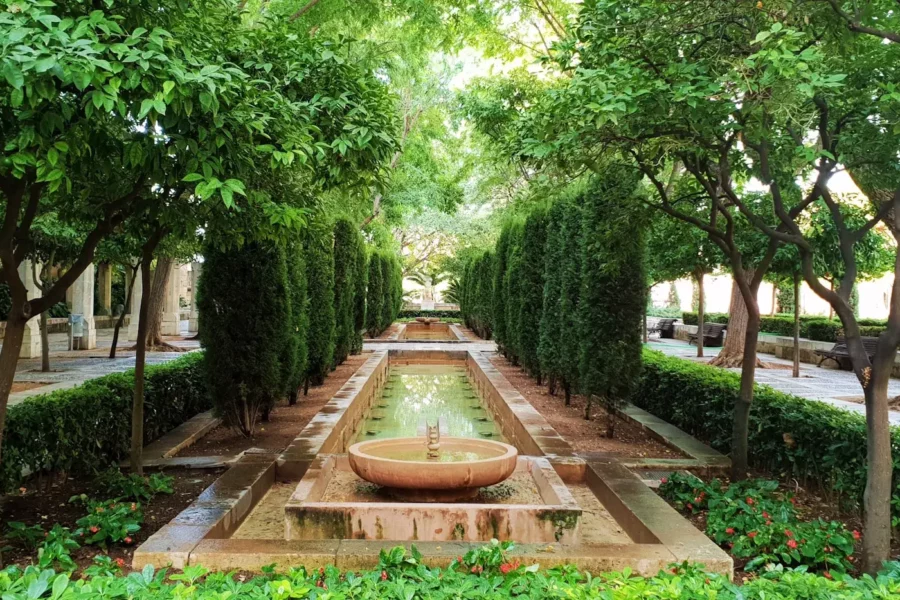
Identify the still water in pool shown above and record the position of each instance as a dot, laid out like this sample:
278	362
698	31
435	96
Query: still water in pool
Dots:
414	394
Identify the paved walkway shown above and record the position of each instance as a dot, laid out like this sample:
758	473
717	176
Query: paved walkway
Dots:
72	367
815	383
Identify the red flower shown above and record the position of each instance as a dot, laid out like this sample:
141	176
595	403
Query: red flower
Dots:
827	549
765	515
674	571
506	568
128	540
827	575
384	575
793	501
120	562
94	529
477	569
856	535
789	533
749	500
730	531
792	544
690	506
751	535
664	480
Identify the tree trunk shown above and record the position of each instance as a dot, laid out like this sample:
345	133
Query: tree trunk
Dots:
610	422
877	497
645	335
701	313
587	407
796	370
567	390
732	354
137	410
9	358
45	344
742	404
121	320
772	310
157	302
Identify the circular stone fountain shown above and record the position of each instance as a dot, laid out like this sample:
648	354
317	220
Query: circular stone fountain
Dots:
412	472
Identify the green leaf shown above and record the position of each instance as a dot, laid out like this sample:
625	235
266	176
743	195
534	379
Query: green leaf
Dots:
13	75
191	177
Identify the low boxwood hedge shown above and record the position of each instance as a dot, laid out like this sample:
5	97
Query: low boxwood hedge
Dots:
440	314
813	327
88	427
789	436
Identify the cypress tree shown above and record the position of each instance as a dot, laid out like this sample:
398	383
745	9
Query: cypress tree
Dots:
466	295
498	294
550	343
569	299
295	362
246	330
320	286
345	244
397	270
534	239
612	291
512	281
485	292
374	295
360	281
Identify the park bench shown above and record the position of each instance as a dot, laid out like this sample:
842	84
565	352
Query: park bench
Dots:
713	335
841	355
665	328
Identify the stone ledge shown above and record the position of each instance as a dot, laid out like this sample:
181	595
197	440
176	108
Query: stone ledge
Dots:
182	436
703	456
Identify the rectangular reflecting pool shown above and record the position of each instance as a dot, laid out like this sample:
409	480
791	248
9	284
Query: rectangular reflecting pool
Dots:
414	395
435	332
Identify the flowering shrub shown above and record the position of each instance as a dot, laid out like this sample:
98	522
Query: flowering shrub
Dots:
754	521
108	521
405	577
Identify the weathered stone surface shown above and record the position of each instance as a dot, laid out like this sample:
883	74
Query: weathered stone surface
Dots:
253	555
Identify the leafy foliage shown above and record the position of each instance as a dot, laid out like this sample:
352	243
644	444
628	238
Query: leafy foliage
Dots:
753	521
808	441
347	246
76	430
477	285
133	486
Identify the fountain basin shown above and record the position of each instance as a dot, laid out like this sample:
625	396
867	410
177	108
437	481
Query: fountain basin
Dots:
464	465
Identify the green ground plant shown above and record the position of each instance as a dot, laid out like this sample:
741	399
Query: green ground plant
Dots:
754	521
136	487
490	573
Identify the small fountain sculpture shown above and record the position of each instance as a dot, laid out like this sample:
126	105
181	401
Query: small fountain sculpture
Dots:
433	439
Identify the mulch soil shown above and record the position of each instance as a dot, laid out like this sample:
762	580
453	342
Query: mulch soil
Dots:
285	421
47	505
630	441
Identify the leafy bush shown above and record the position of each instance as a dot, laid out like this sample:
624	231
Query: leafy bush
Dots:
56	551
532	286
295	357
440	314
347	240
79	429
108	521
753	521
477	291
402	575
245	320
804	439
665	312
27	536
690	318
134	486
374	296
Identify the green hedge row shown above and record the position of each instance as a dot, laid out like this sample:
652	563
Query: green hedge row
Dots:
791	436
813	327
87	428
440	314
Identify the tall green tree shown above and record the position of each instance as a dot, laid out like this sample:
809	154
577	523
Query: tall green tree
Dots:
347	241
532	291
613	291
374	295
296	356
320	289
246	330
360	283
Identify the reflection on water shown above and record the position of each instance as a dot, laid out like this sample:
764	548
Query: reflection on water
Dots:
422	454
416	393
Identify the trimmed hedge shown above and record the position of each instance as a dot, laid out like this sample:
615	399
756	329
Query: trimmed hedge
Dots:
440	314
813	327
792	436
88	428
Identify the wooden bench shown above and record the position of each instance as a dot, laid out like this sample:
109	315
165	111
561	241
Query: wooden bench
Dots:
841	355
713	335
662	327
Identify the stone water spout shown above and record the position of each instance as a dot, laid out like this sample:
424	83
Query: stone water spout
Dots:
433	439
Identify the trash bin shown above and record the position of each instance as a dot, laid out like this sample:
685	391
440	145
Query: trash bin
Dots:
76	332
